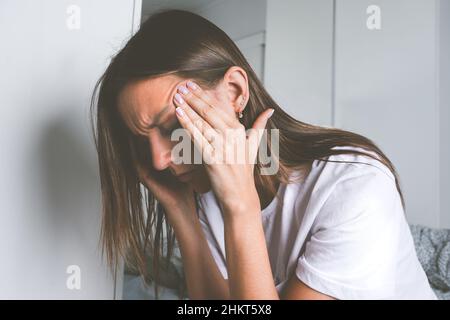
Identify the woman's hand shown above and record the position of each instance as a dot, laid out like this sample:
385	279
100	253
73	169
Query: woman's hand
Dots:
176	197
229	154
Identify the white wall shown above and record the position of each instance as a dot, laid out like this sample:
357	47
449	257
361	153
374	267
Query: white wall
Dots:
298	63
386	89
390	85
50	193
444	115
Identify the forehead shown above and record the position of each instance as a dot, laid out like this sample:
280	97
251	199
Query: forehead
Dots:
149	95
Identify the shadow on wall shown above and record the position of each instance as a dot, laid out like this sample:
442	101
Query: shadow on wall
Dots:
70	188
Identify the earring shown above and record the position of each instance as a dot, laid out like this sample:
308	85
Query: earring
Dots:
243	100
242	104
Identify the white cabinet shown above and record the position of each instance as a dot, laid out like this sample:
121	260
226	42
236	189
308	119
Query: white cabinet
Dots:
387	88
325	66
52	54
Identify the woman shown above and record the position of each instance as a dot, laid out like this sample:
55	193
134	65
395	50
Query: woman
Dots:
328	224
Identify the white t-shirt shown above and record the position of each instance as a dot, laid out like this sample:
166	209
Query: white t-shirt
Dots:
342	231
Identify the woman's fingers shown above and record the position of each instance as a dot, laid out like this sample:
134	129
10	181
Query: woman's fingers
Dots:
202	122
194	132
199	101
203	126
257	131
260	123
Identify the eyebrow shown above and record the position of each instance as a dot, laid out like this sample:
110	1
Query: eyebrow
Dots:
158	117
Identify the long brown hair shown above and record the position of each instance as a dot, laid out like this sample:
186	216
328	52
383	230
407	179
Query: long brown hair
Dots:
182	43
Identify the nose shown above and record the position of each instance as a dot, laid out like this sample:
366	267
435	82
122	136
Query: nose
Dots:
161	151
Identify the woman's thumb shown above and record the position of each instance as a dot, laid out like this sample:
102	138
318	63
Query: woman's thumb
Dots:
260	123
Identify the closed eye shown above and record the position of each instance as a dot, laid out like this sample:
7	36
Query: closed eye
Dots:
167	131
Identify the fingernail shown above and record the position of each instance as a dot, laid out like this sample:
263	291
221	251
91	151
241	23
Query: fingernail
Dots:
183	89
192	85
179	111
271	113
179	98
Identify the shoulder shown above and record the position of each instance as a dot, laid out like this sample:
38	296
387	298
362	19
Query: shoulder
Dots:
347	165
352	186
351	170
357	230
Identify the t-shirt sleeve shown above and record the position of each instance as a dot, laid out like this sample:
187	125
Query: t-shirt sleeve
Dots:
350	250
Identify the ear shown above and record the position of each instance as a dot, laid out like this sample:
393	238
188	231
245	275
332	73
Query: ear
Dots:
235	83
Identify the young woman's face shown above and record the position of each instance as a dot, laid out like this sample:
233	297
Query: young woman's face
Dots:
148	110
